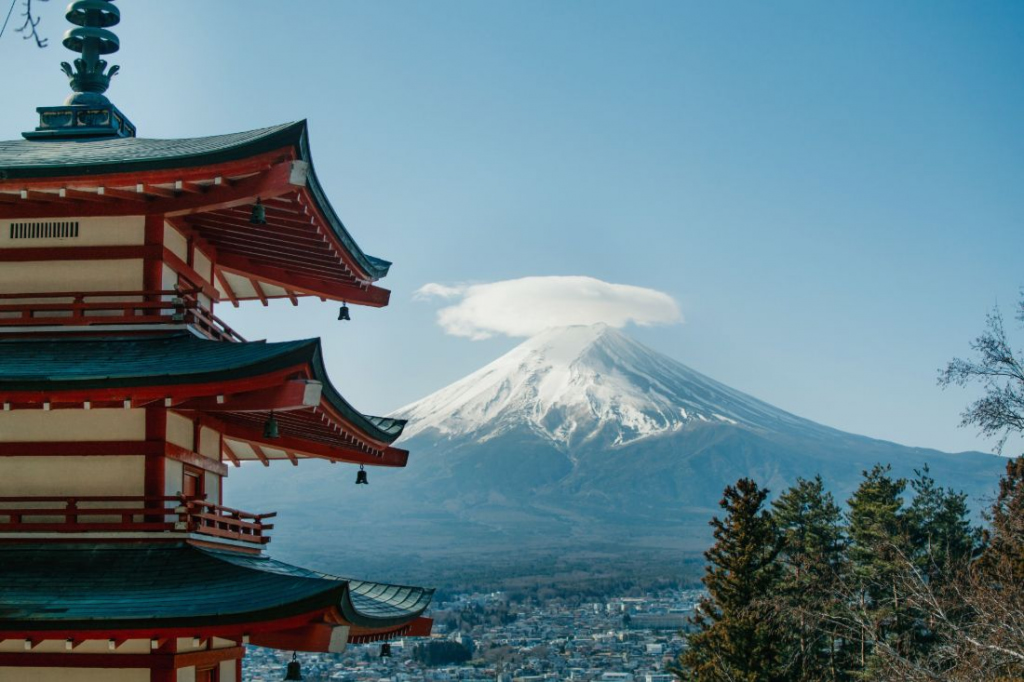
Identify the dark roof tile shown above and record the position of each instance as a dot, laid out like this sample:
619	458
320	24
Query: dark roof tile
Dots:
67	586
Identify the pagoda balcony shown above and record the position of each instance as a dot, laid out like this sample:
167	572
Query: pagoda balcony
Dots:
156	518
177	307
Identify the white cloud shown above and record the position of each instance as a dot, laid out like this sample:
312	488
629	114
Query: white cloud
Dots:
527	306
432	290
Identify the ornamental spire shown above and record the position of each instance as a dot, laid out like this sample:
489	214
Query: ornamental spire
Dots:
90	78
87	112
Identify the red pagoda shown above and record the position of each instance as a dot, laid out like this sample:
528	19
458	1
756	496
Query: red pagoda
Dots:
125	398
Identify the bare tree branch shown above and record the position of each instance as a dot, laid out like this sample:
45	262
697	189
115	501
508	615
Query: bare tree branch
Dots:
1000	413
31	25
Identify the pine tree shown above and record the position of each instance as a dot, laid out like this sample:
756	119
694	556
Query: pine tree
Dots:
878	552
812	555
736	639
939	527
1004	539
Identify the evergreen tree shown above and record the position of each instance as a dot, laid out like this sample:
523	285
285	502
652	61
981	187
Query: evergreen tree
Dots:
812	556
736	639
878	553
939	527
1004	539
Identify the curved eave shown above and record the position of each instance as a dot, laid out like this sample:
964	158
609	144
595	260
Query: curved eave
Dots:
55	365
25	160
381	429
377	268
67	370
96	588
378	605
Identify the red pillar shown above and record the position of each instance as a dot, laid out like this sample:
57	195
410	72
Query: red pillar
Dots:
153	265
156	417
156	431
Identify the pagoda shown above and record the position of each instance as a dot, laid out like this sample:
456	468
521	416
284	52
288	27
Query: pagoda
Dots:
126	399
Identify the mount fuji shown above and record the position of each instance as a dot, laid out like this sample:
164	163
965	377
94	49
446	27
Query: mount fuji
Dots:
585	386
582	439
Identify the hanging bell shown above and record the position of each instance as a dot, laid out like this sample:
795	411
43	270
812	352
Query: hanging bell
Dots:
361	476
259	213
294	669
385	650
270	429
343	313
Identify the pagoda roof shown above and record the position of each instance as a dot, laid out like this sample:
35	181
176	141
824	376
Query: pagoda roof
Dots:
48	364
80	159
134	587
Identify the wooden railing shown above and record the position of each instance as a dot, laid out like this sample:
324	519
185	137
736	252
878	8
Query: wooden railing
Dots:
180	306
224	522
134	514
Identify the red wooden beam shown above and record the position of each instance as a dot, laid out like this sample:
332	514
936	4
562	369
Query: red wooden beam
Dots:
260	455
259	291
190	187
226	287
182	268
153	190
233	631
294	394
79	195
229	239
122	194
226	451
275	180
370	295
175	392
33	195
280	220
304	424
194	459
278	179
342	452
225	170
238	224
418	627
155	472
315	638
322	260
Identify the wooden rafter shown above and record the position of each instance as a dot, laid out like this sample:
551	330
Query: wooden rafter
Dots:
70	193
226	286
230	454
307	284
276	179
260	455
259	291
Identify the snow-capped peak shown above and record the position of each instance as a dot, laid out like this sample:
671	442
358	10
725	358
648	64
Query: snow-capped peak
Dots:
572	384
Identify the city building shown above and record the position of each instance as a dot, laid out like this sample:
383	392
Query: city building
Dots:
125	399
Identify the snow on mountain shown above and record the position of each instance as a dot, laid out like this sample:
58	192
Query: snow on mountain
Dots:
571	384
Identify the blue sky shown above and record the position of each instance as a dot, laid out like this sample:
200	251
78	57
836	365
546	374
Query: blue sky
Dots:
832	192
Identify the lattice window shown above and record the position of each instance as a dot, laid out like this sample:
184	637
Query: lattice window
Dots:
45	230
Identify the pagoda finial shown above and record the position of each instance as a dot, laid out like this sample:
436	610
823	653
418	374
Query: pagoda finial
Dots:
87	112
90	78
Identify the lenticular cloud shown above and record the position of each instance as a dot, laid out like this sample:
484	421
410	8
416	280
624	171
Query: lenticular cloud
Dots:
527	306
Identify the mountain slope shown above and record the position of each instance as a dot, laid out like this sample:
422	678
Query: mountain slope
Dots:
582	438
576	383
